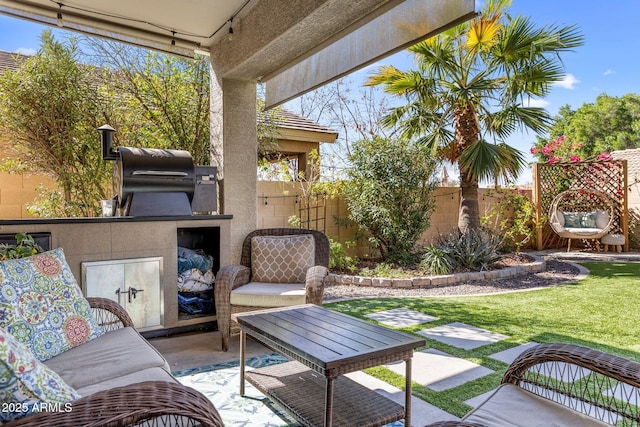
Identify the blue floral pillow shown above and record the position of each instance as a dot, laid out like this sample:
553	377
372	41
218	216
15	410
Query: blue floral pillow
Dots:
42	305
26	384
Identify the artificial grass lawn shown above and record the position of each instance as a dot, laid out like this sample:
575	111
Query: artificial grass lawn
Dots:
600	311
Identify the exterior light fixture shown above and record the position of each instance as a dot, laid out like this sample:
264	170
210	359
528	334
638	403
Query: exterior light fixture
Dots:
59	22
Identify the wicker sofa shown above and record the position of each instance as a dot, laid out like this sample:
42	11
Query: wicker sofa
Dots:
123	381
561	385
67	360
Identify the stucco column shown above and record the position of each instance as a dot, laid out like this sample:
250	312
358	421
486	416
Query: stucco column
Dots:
234	152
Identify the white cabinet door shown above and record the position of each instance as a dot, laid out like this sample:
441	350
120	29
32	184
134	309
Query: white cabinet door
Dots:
133	283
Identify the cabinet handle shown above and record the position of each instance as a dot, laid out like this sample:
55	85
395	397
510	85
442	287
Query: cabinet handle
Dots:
133	291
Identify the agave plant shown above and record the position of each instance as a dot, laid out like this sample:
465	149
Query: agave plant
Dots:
470	251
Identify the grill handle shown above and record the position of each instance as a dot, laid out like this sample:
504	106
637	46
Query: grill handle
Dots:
160	173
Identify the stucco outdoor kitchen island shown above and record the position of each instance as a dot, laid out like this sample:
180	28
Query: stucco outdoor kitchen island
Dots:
121	242
323	345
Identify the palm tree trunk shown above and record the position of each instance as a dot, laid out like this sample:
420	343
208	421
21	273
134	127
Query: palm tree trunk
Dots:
467	132
469	213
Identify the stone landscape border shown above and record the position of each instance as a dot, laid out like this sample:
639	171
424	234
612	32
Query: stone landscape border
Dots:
538	265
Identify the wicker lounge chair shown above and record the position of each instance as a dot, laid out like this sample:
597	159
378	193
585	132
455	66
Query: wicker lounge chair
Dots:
581	214
157	403
232	278
561	385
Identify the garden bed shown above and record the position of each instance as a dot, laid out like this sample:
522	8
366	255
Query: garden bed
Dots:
556	272
509	266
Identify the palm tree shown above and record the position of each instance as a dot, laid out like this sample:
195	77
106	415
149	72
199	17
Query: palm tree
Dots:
472	86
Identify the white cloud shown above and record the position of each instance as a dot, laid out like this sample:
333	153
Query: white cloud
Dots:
569	81
608	72
26	51
535	102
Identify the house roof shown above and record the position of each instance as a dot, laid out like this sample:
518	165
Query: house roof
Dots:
9	60
632	156
289	120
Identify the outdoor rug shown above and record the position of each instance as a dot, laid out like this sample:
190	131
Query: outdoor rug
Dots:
221	384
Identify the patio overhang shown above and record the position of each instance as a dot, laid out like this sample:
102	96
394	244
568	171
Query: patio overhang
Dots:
295	46
292	45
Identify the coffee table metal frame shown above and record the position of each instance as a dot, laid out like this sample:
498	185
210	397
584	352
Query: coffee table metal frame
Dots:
291	331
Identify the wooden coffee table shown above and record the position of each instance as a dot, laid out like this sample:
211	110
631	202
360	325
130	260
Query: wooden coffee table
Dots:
323	345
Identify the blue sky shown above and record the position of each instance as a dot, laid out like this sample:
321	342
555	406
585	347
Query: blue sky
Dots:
607	63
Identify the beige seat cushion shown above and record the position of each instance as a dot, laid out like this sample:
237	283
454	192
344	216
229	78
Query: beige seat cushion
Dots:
149	374
282	259
114	354
511	406
259	294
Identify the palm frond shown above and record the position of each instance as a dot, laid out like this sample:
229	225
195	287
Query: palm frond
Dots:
488	161
483	32
436	141
386	74
522	41
505	122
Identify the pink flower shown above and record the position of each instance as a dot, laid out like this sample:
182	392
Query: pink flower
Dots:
605	157
575	158
546	150
553	159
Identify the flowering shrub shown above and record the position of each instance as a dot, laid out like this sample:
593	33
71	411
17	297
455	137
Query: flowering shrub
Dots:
562	150
512	217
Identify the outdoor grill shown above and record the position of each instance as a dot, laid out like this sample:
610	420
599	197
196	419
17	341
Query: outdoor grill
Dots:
158	182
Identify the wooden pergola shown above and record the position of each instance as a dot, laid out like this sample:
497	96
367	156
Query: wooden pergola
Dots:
606	177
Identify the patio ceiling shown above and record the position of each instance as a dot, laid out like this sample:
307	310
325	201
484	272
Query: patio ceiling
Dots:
268	36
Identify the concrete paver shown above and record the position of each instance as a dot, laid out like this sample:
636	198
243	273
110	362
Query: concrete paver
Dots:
421	412
462	336
401	317
440	371
509	355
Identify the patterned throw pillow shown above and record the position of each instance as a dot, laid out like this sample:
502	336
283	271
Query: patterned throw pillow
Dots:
26	384
589	220
573	220
42	305
282	259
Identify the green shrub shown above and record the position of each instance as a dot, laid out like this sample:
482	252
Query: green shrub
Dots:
338	256
387	271
389	194
512	217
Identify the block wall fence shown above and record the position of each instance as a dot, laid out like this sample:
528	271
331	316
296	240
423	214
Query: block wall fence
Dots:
277	202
